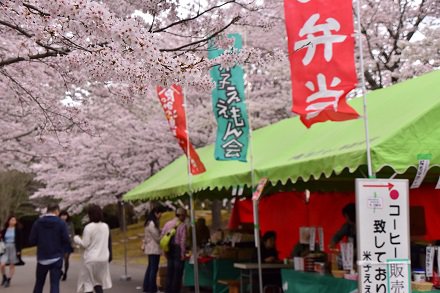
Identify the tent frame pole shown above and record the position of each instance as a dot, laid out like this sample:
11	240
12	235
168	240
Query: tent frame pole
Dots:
364	90
255	212
191	203
253	184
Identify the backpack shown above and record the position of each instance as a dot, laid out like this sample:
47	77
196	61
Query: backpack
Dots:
165	240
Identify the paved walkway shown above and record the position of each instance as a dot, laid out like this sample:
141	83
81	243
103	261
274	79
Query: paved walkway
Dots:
23	281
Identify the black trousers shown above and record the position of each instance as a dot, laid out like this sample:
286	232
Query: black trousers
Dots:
54	271
174	270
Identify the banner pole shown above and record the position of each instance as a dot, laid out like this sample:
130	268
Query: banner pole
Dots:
254	202
191	203
364	90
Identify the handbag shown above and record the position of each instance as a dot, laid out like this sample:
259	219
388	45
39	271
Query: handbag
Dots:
166	239
2	247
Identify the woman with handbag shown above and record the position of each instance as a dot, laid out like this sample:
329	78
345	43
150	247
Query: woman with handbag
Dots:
152	249
13	239
94	275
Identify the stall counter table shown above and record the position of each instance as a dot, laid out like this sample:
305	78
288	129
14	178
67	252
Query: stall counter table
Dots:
249	270
210	273
301	282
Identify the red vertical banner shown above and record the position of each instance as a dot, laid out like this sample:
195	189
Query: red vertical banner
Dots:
321	55
172	104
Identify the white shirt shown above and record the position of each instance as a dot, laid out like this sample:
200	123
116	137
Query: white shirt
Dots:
151	239
95	242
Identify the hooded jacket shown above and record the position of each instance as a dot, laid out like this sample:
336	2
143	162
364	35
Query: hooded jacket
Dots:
49	234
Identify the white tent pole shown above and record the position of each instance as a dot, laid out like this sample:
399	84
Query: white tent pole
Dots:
254	202
191	203
255	211
124	277
364	90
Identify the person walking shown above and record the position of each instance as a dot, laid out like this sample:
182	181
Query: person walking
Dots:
64	215
13	239
152	249
49	234
176	254
95	273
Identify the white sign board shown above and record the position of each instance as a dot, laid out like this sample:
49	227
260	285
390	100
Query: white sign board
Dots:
382	219
422	170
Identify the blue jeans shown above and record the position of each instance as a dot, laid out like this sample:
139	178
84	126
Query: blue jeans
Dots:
174	270
150	285
55	275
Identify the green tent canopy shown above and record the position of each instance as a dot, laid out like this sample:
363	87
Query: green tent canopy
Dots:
404	125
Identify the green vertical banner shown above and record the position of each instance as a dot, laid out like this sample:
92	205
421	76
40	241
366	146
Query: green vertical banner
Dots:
229	107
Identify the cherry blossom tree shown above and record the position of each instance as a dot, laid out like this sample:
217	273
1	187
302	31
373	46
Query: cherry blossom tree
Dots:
78	77
51	53
399	39
49	49
127	142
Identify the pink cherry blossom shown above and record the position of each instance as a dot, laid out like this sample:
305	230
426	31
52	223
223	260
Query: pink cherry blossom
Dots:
78	106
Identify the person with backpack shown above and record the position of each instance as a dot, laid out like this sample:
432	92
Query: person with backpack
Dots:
152	249
176	251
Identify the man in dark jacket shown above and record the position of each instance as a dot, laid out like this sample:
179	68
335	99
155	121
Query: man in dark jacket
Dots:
49	234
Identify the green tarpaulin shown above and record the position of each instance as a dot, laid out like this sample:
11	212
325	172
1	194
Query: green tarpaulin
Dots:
404	123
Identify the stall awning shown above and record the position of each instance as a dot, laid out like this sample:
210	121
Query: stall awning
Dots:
404	122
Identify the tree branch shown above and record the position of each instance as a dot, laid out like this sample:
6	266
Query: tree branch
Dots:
47	112
152	23
51	51
418	21
29	35
235	19
32	7
192	18
18	136
31	57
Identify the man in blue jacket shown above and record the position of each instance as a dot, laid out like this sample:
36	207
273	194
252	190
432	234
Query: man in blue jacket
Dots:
49	234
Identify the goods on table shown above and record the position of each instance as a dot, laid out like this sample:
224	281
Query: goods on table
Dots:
312	258
419	276
338	273
353	276
421	286
237	253
236	245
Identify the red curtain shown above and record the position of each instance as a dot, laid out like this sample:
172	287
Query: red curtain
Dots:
287	211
